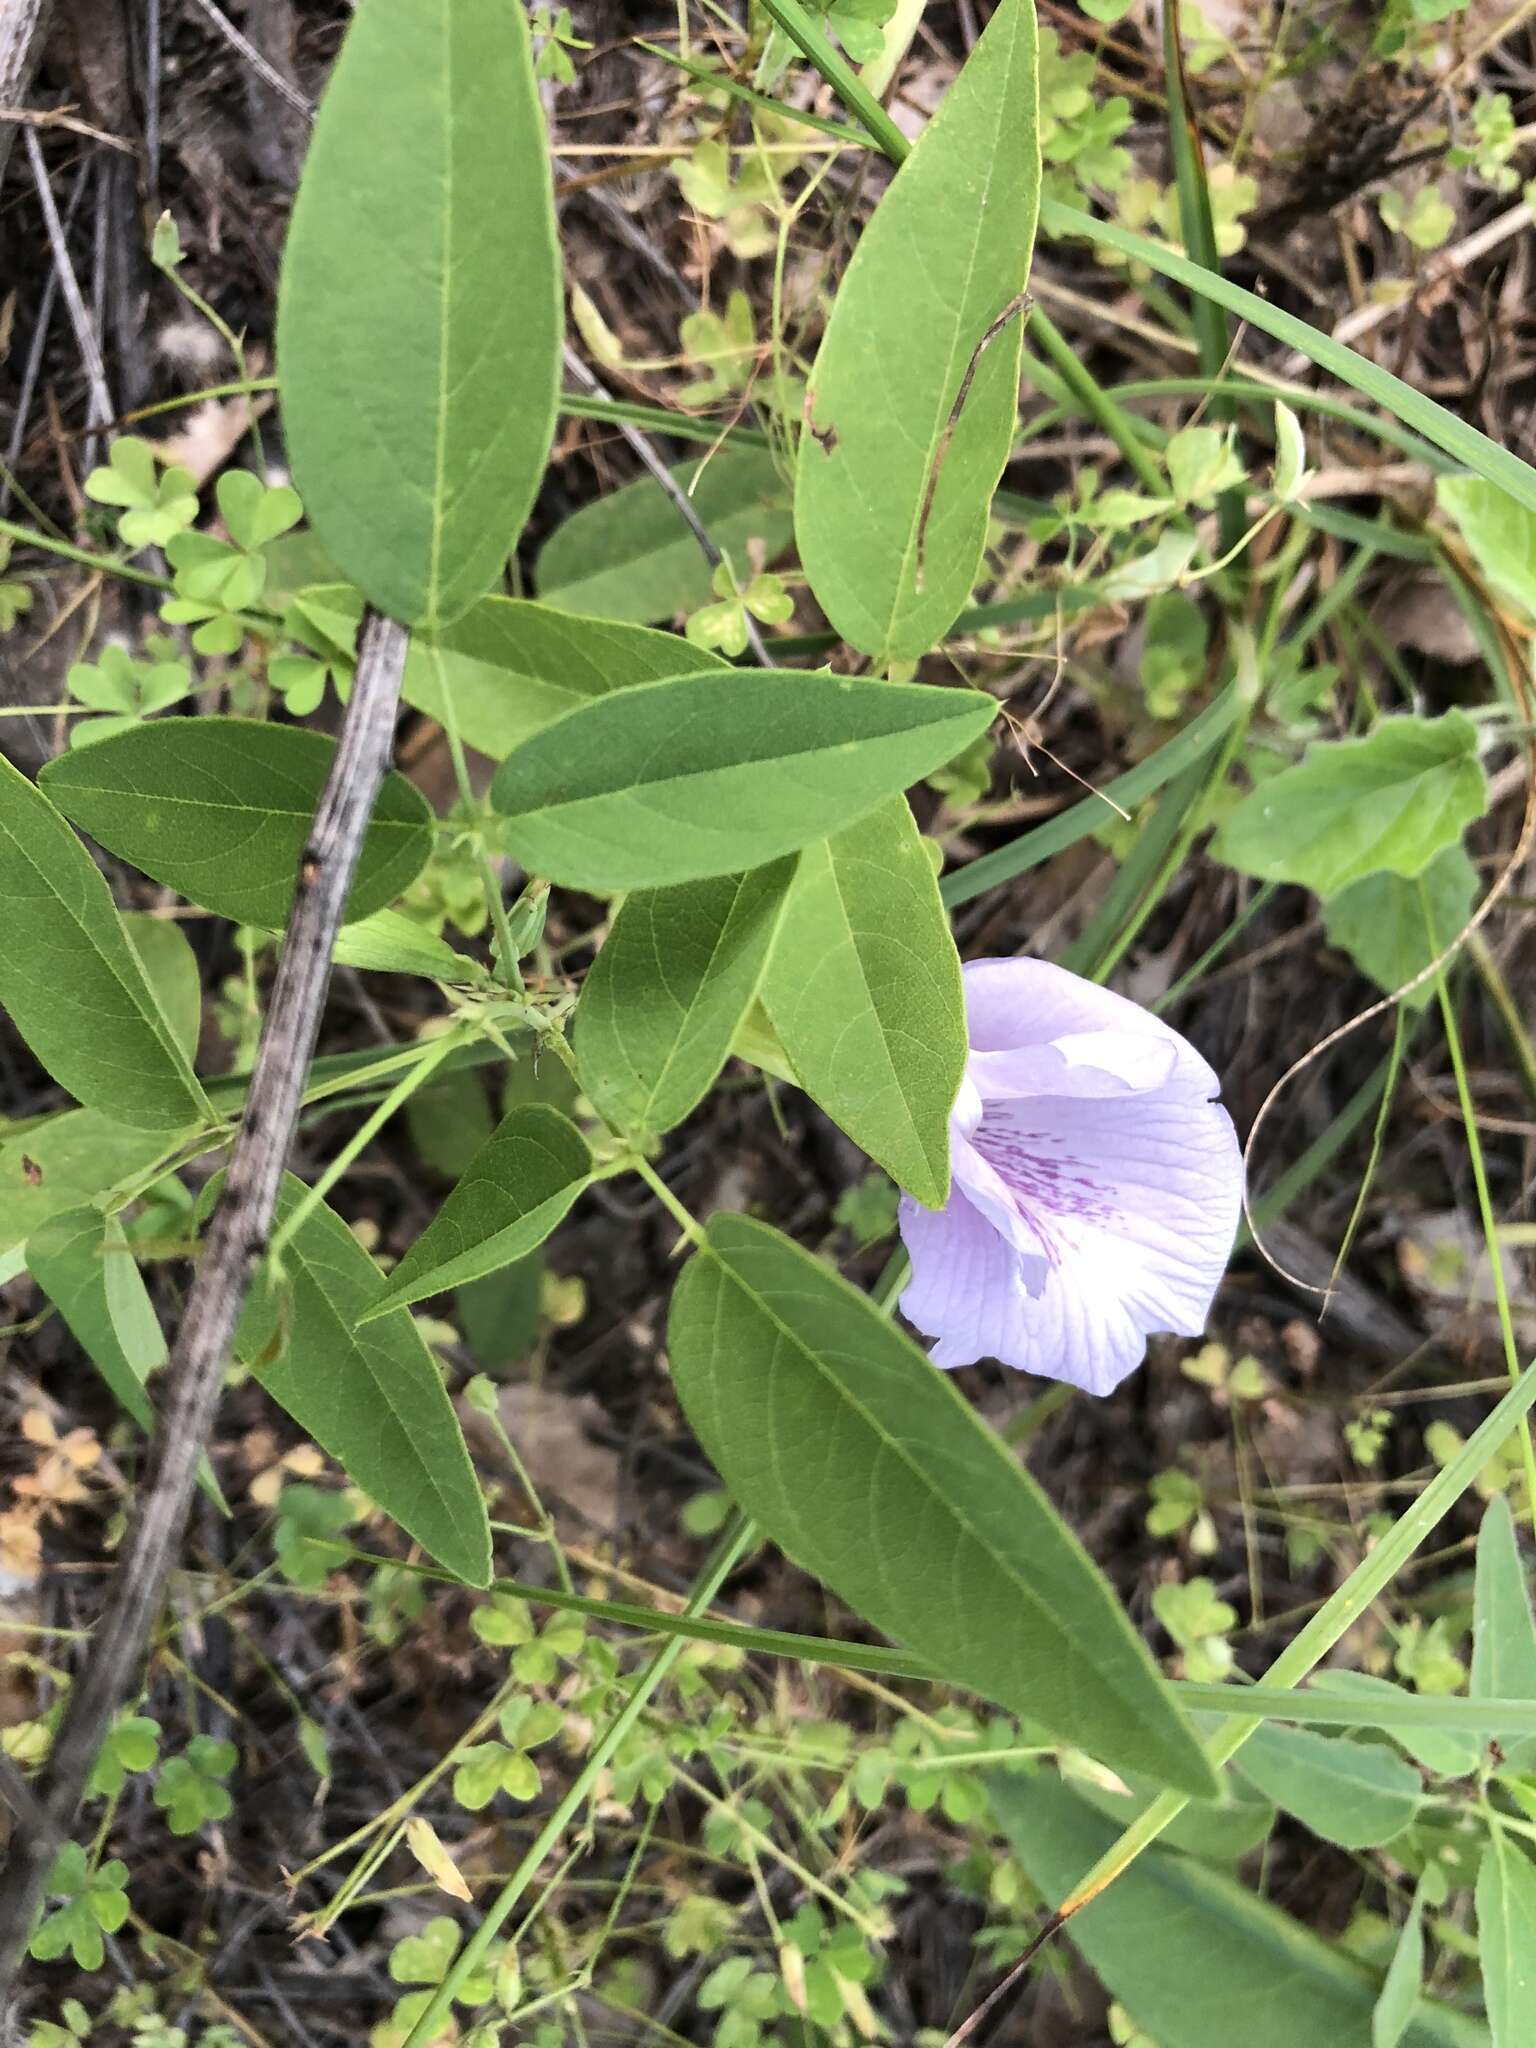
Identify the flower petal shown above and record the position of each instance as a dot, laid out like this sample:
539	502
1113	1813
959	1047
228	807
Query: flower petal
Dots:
1013	1004
967	1287
988	1193
1138	1211
1109	1063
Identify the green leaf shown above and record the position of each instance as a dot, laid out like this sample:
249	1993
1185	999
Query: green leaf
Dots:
715	773
677	974
131	1744
508	668
864	992
220	809
500	1313
1388	802
1446	1752
1405	1975
1503	1634
869	1469
945	254
72	1258
629	555
190	1788
419	314
1506	1937
1393	928
518	1186
374	1399
1357	1794
170	967
1196	1958
389	942
1219	1830
71	981
64	1163
1500	532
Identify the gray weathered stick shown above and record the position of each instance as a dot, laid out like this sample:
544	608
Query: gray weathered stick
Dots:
233	1248
23	28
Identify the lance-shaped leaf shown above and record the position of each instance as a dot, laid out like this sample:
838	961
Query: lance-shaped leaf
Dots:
894	486
864	993
171	969
82	1263
419	315
677	974
1503	1634
508	667
514	1191
71	981
715	773
373	1399
1191	1953
1506	1938
67	1162
630	556
219	809
869	1469
389	942
1354	1793
1387	803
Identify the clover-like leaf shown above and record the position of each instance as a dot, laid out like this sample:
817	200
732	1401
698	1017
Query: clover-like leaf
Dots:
132	1744
155	507
190	1788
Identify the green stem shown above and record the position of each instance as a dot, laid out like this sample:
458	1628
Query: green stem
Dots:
1509	1011
658	1187
448	718
1212	332
1056	834
431	1058
844	81
1334	1619
106	565
1096	402
1484	1208
1215	949
732	1548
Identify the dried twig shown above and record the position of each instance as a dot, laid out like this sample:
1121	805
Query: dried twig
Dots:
99	408
232	1249
23	28
267	73
578	370
34	362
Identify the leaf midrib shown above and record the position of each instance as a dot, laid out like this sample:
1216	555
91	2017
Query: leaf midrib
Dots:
1060	1626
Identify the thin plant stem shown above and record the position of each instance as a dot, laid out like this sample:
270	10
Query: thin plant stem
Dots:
432	1058
1096	402
1337	1615
1484	1209
728	1554
105	565
658	1187
1479	953
448	718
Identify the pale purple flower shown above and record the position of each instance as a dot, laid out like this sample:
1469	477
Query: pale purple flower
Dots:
1096	1184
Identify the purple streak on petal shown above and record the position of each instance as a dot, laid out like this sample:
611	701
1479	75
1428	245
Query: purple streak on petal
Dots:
1095	1196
